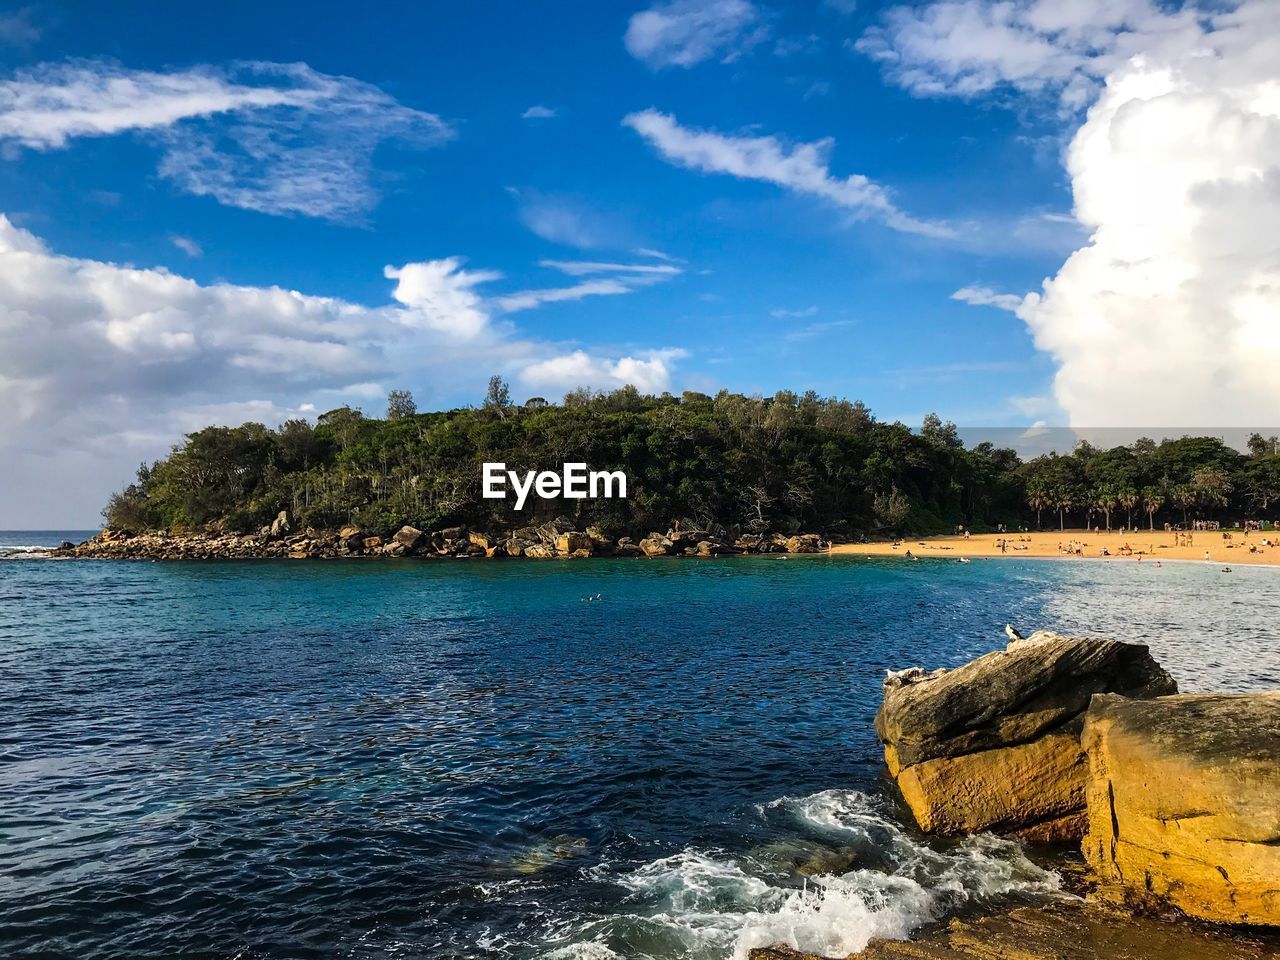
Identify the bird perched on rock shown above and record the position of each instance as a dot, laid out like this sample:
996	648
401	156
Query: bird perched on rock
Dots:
1012	633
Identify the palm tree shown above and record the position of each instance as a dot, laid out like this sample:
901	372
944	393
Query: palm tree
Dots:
1064	500
1128	498
1183	497
1152	501
1104	499
1038	498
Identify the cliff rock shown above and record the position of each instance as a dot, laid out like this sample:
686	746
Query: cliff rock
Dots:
1184	801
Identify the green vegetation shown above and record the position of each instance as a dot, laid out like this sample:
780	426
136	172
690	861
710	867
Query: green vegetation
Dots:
785	462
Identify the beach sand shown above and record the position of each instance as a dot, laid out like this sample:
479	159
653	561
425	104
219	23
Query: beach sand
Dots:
1150	545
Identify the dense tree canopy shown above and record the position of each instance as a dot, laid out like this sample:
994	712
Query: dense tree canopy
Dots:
785	462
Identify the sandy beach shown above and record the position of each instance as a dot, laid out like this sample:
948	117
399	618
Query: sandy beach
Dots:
1146	546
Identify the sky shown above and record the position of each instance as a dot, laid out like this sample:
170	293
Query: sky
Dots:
1019	214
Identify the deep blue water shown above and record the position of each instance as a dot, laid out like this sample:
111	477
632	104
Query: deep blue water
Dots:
403	759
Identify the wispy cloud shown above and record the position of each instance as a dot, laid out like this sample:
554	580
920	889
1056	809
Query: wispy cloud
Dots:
683	33
19	28
802	168
527	299
538	112
986	297
276	138
570	221
582	268
812	330
782	313
187	245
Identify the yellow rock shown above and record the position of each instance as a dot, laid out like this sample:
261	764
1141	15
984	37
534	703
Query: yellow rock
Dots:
1184	801
1011	789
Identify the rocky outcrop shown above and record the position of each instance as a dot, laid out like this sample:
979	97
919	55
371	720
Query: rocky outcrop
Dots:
556	538
1184	801
994	744
1061	930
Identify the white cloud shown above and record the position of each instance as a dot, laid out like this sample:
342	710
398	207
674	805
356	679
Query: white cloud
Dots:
971	47
803	167
276	138
683	33
1169	314
187	245
527	299
104	365
582	268
986	297
650	373
568	221
1166	313
538	112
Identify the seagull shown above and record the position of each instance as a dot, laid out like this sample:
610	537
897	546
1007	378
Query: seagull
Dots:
1012	633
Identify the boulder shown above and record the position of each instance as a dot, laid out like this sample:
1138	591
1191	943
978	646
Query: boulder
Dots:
994	744
1184	801
371	543
539	551
804	543
481	540
573	542
516	546
280	525
656	545
408	537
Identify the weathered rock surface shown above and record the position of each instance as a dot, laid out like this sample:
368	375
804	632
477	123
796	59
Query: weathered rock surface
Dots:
1184	801
994	744
1061	930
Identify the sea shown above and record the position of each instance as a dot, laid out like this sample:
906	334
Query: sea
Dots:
595	759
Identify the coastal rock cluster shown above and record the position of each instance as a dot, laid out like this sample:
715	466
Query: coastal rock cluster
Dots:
556	538
995	744
1175	799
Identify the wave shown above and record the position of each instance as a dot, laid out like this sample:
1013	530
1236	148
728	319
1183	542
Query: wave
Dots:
708	904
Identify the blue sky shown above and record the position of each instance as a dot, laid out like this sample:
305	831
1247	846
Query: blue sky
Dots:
673	189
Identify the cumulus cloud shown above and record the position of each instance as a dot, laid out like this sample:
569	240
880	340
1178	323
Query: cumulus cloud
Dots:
538	112
276	138
683	33
802	168
1167	314
649	373
986	297
103	365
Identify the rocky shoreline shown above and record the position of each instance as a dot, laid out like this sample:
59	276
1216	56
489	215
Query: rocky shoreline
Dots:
557	538
1173	799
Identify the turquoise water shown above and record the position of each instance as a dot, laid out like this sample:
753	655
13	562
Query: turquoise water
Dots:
468	759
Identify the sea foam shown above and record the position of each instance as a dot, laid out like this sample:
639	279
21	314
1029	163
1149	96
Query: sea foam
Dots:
710	904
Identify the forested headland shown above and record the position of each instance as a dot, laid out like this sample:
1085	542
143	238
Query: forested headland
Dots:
782	463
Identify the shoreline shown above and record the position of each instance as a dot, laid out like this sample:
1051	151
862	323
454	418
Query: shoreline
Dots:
1146	547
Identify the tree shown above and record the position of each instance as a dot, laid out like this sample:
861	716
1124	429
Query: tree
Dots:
1184	497
498	396
892	509
1128	498
1104	499
400	404
1152	501
1038	497
535	403
1211	486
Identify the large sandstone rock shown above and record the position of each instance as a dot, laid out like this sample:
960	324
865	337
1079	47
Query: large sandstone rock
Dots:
408	537
804	543
1184	801
574	542
994	744
656	545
